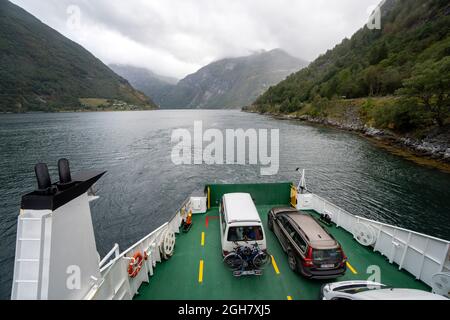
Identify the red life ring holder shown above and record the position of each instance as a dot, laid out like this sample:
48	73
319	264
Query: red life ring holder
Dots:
135	265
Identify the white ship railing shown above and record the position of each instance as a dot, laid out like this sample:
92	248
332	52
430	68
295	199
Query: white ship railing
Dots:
116	283
421	255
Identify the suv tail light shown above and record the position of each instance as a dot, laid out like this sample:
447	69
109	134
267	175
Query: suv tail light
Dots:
225	253
344	257
308	261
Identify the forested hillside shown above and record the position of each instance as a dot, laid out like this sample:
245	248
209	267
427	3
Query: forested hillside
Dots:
41	70
406	63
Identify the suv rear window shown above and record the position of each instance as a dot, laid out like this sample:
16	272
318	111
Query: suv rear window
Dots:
245	234
334	255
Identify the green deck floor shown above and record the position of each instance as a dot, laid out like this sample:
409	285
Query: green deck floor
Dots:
178	278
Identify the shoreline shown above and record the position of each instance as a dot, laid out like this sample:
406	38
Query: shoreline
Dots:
420	152
78	111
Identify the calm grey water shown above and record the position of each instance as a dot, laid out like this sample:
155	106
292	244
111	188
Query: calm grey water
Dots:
143	188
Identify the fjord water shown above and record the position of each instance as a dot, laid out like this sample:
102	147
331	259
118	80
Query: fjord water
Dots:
143	188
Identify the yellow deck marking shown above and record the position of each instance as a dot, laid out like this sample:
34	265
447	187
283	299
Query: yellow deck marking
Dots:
200	272
275	267
289	298
203	239
351	268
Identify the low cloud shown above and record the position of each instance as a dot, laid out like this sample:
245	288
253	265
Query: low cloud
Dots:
177	37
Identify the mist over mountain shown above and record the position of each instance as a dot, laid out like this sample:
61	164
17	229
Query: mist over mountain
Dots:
231	83
153	85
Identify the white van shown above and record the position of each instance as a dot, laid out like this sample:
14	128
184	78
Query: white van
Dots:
240	224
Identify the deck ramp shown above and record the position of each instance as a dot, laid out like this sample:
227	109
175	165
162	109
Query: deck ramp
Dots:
262	194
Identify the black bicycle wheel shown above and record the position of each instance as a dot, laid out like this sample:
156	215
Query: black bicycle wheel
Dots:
261	260
233	261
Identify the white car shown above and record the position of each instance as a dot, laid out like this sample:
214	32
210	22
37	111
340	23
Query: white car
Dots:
368	290
240	223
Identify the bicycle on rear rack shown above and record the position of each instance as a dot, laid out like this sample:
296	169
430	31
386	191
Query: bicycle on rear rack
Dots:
247	260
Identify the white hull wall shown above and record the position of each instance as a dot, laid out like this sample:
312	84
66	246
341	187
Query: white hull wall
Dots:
56	255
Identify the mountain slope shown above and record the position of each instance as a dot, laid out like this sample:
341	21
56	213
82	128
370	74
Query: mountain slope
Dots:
232	83
41	70
372	62
151	84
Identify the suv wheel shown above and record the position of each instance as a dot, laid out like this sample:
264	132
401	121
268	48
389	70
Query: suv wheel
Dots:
293	261
270	223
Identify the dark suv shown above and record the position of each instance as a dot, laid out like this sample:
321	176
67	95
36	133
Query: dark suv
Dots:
311	250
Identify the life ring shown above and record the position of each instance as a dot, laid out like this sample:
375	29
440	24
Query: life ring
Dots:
135	265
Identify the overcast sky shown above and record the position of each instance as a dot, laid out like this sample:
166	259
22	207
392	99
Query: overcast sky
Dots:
177	37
